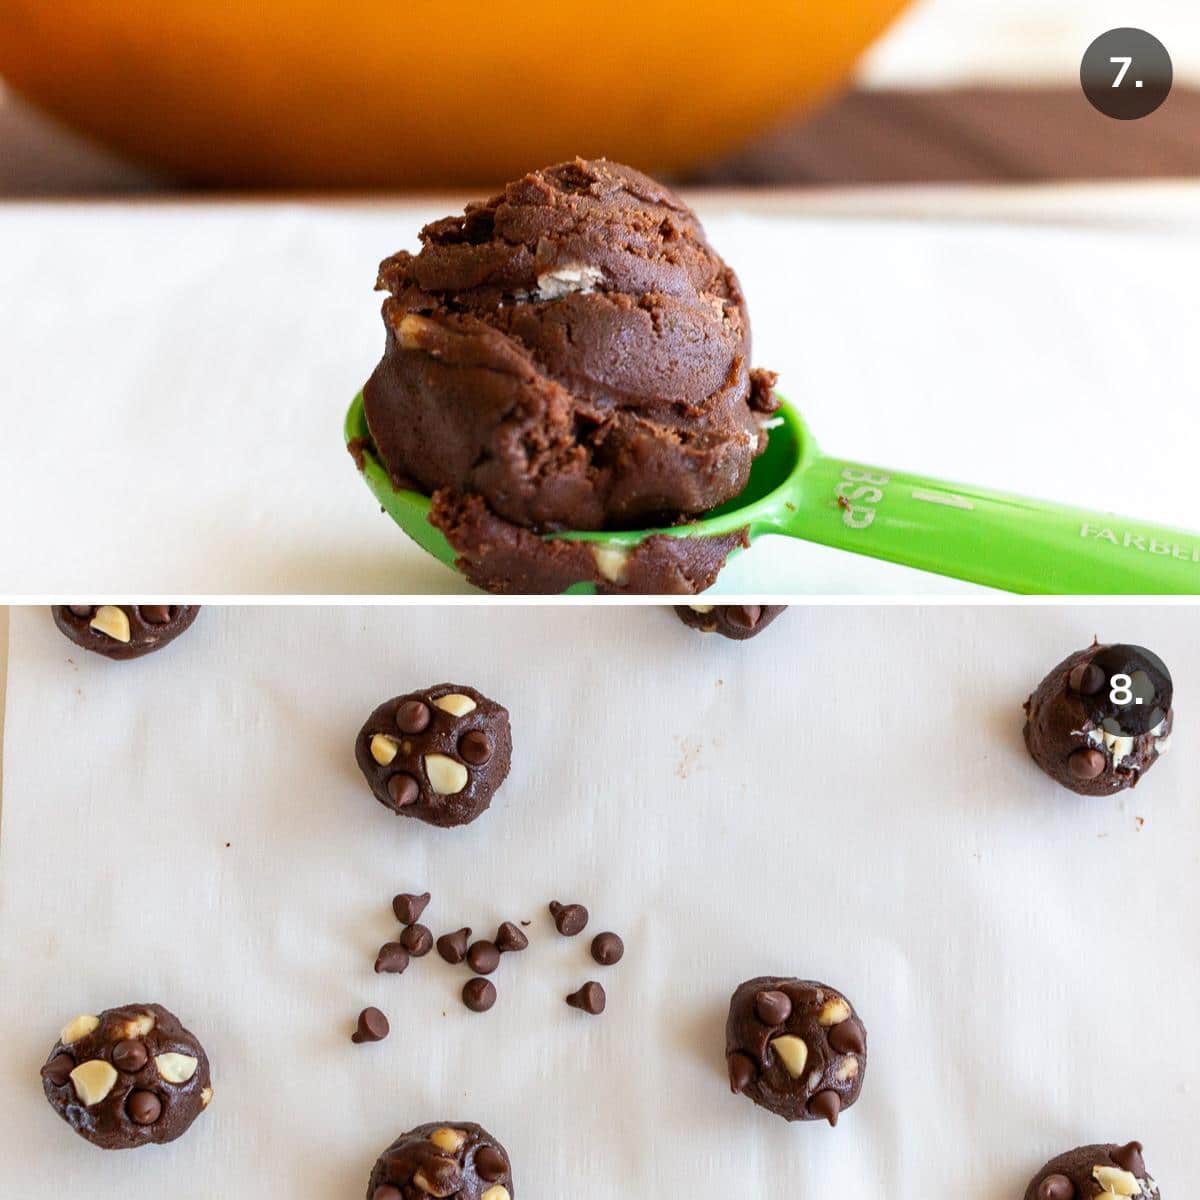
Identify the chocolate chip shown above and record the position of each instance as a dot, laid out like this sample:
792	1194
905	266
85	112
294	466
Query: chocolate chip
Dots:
1086	679
1129	1158
58	1069
392	959
144	1107
129	1055
847	1038
569	919
403	789
1056	1187
490	1164
479	994
742	1072
81	610
372	1026
387	1192
1086	764
826	1104
483	958
453	946
442	1176
417	940
744	616
408	908
475	747
155	614
590	998
607	948
510	938
412	716
773	1008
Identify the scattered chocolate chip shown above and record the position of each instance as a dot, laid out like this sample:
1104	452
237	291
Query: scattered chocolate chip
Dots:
483	958
453	946
479	994
773	1008
129	1055
607	948
744	616
417	940
372	1026
392	959
569	919
58	1069
509	938
590	998
1056	1187
412	716
408	908
741	1072
490	1164
144	1107
475	747
403	789
827	1105
847	1037
1086	764
81	610
1129	1158
1086	679
155	614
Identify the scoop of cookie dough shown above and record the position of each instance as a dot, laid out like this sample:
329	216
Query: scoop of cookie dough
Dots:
1095	1173
443	1158
796	1048
736	621
438	755
1066	733
123	630
573	351
128	1077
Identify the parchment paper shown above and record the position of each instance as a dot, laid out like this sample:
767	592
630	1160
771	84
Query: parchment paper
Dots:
846	798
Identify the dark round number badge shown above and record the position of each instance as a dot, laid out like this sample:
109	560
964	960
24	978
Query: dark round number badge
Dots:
1126	690
1126	73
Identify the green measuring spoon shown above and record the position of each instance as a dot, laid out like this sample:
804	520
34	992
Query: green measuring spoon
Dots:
992	538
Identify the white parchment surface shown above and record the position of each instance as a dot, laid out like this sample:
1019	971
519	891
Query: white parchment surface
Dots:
846	798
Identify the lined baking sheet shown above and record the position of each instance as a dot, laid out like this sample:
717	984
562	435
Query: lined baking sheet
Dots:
845	798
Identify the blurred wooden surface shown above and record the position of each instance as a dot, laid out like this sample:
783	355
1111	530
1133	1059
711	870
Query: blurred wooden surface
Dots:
968	135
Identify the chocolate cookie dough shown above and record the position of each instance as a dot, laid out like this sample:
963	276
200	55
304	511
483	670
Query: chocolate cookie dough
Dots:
736	621
1101	718
123	630
444	1158
796	1048
438	755
128	1077
1094	1173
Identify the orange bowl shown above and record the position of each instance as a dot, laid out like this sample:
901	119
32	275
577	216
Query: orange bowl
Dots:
382	93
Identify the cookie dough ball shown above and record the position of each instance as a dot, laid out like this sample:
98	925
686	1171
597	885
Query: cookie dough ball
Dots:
796	1048
1101	718
736	621
444	1158
123	630
128	1077
438	755
1095	1173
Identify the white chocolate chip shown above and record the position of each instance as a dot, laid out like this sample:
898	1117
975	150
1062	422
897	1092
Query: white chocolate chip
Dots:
1116	1182
456	704
383	749
848	1069
568	278
76	1030
138	1027
610	561
450	1140
205	1096
410	329
452	1184
176	1068
498	1192
112	622
702	609
833	1012
93	1080
793	1053
446	776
